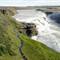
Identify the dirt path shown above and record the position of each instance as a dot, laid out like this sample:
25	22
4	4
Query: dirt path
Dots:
20	50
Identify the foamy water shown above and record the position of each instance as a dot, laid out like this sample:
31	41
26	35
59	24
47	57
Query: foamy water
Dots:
48	31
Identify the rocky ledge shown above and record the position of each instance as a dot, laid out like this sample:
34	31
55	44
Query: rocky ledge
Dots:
28	28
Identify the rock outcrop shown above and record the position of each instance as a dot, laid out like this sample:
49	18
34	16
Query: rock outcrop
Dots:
28	28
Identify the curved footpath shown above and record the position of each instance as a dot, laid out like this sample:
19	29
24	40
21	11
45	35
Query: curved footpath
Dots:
20	50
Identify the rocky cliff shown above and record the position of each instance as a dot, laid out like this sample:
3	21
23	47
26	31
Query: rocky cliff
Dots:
28	28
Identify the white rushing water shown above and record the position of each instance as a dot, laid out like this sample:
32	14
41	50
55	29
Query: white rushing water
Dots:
48	31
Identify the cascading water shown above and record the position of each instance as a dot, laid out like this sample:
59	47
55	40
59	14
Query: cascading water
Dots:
48	30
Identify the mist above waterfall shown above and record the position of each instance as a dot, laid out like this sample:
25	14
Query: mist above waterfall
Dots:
47	26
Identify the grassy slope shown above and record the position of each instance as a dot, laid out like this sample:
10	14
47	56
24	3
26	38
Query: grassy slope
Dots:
9	43
34	50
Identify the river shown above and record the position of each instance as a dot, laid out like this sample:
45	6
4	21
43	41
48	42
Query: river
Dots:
48	29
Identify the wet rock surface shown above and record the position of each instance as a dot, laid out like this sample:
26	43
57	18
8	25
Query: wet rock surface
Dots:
28	28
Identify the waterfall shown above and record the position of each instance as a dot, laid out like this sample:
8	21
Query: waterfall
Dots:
48	30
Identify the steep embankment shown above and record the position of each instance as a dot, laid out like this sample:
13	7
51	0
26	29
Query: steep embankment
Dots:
34	50
9	42
16	46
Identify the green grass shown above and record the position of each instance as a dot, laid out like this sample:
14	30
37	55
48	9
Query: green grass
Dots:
9	43
34	50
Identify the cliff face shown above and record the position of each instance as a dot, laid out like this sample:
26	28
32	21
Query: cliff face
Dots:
28	29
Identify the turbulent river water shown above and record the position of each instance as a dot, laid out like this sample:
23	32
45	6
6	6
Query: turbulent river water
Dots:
48	29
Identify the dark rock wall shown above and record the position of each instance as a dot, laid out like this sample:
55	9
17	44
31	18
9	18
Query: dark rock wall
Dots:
28	28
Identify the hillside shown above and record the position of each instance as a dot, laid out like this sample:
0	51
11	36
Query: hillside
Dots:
17	46
34	50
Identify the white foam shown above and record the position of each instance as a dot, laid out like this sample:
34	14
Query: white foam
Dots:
48	33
